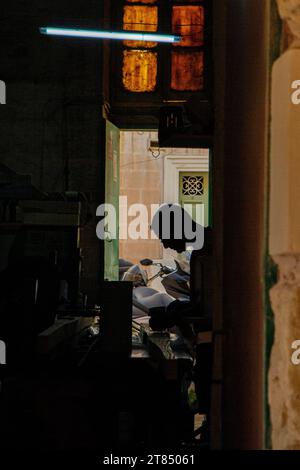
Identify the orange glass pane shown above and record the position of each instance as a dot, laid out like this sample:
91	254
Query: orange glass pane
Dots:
139	70
188	21
187	71
140	18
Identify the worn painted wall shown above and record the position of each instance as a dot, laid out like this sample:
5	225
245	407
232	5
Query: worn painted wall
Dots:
246	139
284	237
141	181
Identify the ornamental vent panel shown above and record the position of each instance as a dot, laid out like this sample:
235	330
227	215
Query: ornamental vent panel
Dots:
192	185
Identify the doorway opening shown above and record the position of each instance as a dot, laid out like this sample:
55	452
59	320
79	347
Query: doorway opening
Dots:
151	176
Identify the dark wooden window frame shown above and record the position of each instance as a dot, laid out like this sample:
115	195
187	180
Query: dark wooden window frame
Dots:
148	102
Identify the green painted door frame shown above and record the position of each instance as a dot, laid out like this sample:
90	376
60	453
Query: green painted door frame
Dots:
112	190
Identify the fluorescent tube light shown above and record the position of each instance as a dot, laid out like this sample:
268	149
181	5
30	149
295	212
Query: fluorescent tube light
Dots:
122	35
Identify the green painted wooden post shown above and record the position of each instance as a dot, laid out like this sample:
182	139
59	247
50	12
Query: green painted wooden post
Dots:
112	190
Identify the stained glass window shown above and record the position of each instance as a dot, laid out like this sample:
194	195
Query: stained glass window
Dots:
188	22
187	70
187	62
186	58
139	70
140	18
139	64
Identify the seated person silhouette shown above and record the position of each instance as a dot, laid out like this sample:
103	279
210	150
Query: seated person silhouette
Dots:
176	230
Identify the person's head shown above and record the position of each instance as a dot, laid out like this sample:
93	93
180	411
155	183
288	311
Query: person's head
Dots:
176	229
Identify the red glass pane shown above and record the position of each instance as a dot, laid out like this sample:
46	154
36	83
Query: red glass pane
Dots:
188	21
187	71
140	18
139	70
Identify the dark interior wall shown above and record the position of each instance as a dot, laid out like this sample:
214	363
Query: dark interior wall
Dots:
51	125
53	94
217	163
246	137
